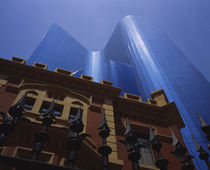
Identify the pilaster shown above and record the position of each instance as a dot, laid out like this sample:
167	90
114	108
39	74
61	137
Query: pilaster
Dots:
111	140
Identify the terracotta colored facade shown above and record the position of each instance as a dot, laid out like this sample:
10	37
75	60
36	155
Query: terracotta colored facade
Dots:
68	92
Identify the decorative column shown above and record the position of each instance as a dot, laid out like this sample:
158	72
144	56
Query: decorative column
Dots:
161	163
42	136
9	122
132	146
75	138
203	154
104	150
180	153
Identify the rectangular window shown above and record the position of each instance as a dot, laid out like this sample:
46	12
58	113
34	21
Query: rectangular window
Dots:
58	109
73	112
29	103
146	153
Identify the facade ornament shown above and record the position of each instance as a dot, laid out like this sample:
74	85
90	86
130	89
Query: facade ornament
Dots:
10	121
104	150
161	163
75	137
205	128
132	146
180	153
203	154
42	136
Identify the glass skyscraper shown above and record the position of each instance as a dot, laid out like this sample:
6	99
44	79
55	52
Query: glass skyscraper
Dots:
140	59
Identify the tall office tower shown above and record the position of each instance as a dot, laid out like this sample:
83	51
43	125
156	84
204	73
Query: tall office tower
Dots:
58	49
138	58
158	63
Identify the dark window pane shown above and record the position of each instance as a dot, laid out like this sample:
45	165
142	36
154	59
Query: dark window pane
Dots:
58	109
146	153
29	103
72	114
149	158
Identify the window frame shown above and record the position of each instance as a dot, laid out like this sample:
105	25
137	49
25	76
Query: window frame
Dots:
73	107
30	99
142	152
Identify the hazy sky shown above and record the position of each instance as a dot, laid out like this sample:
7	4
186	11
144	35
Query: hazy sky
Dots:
23	23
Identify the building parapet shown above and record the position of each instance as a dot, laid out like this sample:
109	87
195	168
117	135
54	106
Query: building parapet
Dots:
160	97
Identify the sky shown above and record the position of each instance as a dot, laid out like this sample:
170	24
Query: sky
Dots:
23	23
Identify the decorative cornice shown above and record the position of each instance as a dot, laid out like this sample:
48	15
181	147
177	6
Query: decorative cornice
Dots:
152	113
19	71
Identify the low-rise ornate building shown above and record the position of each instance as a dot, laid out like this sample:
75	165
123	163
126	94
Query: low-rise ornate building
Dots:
41	87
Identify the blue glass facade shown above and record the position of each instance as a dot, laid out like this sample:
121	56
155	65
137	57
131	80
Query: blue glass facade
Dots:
140	59
58	49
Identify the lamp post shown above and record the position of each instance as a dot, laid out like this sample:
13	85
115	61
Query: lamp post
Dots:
104	150
75	138
180	153
161	163
132	146
42	136
9	122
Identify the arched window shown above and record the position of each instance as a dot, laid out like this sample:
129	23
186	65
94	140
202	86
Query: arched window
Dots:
74	109
30	100
73	112
29	103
